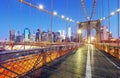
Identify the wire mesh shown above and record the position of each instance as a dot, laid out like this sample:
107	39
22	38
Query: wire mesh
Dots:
18	64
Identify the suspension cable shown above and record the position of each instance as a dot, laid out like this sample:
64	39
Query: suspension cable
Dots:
93	7
103	11
51	20
108	14
9	19
102	8
109	23
66	20
84	9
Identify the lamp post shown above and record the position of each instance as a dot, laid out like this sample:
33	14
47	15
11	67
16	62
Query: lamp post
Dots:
79	35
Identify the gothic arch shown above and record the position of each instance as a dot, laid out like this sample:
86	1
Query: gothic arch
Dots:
89	25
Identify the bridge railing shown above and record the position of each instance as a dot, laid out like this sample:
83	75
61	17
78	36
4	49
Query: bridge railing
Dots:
110	48
27	45
19	63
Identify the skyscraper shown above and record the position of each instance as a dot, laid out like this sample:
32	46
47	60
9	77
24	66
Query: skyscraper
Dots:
26	34
57	37
62	34
12	35
19	38
44	36
69	32
33	37
37	37
104	33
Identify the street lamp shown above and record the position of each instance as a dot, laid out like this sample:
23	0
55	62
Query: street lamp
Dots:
55	13
41	7
118	10
79	31
67	18
103	18
92	39
113	13
62	16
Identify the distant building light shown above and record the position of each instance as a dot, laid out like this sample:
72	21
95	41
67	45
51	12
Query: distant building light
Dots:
41	7
103	18
101	28
88	18
73	21
77	22
110	32
107	30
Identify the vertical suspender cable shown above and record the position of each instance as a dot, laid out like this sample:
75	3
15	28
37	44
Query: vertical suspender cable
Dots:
66	19
9	24
118	22
51	20
84	9
93	7
85	12
8	14
97	11
102	11
109	23
102	21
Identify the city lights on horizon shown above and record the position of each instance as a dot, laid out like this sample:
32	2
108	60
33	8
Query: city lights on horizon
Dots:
106	30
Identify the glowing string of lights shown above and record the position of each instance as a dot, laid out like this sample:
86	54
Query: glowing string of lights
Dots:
111	14
41	7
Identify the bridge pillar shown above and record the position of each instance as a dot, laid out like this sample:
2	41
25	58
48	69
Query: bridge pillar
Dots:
89	32
98	36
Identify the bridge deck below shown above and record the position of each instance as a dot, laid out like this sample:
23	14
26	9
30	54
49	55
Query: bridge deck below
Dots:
76	65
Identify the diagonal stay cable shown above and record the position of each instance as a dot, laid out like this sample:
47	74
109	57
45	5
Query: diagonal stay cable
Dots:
84	9
93	7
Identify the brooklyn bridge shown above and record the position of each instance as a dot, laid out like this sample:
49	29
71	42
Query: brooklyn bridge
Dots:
90	48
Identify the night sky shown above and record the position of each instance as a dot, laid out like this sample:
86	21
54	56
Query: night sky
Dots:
18	16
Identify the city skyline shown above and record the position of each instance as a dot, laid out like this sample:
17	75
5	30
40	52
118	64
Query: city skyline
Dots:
18	16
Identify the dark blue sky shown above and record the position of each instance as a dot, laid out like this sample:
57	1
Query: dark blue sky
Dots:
18	16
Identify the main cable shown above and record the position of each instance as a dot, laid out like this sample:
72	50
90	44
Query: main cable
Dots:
85	12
